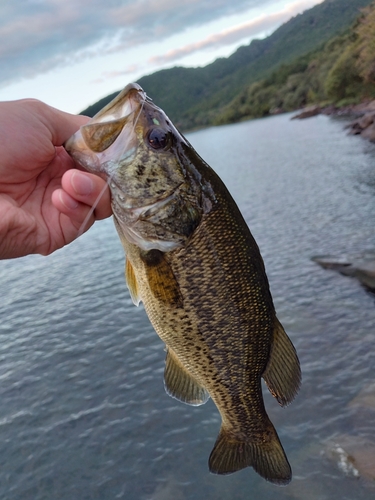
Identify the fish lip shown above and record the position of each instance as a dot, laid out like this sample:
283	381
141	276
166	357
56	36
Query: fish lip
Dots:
132	93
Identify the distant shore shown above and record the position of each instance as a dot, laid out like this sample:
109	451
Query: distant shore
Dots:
362	115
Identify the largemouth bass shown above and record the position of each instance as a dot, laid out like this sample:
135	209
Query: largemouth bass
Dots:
192	261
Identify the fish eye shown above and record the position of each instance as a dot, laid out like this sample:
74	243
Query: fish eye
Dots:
158	138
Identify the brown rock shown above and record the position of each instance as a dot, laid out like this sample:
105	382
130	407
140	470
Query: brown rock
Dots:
369	133
353	455
364	114
361	268
361	124
366	397
354	128
366	120
329	110
308	113
364	107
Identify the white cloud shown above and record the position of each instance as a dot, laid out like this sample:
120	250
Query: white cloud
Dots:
235	33
36	36
70	54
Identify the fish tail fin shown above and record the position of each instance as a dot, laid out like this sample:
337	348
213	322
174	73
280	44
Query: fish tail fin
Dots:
268	458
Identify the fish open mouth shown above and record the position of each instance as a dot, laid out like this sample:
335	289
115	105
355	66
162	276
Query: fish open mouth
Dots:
109	136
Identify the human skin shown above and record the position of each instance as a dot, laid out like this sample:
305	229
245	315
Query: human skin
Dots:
44	198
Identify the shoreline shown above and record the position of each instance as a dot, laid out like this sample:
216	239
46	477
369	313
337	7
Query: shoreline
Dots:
362	266
362	115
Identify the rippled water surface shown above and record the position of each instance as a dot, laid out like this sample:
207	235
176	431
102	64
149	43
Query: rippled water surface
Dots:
83	412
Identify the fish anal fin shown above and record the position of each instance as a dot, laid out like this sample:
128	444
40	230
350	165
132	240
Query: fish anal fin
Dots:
132	283
180	384
161	279
267	457
283	373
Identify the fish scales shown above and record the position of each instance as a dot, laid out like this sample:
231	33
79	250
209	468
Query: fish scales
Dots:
193	262
224	298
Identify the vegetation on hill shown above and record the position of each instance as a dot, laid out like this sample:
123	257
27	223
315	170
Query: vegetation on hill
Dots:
305	60
341	73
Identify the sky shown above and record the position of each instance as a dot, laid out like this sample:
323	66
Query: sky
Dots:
71	53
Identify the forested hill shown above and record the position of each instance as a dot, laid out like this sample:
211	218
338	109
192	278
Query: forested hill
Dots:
197	97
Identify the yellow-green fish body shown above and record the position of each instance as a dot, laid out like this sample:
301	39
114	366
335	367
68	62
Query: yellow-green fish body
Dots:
193	262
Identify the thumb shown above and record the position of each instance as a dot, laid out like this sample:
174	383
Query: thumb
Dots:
61	124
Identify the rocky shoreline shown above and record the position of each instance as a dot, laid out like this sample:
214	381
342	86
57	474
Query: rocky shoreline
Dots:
360	267
362	115
352	455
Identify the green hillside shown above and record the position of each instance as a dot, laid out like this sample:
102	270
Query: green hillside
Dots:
196	97
342	72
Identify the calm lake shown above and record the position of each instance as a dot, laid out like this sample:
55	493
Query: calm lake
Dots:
83	411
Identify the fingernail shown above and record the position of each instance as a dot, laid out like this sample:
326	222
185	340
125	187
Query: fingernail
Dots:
68	201
82	184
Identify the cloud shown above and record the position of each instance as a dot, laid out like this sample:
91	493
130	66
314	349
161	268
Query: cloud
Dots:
236	33
106	75
39	35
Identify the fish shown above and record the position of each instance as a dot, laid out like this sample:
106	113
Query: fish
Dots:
193	262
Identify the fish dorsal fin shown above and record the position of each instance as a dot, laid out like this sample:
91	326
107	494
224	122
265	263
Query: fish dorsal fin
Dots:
161	279
180	384
132	283
282	374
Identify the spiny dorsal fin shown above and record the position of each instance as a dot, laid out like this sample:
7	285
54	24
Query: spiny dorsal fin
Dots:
132	283
283	373
180	384
161	280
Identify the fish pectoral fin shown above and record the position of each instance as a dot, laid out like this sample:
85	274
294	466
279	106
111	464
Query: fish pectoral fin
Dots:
161	279
283	373
131	281
266	456
180	384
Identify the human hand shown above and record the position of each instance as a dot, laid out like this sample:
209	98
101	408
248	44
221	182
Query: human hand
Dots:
44	199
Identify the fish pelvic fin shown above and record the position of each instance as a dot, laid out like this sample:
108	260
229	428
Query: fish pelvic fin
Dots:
132	283
283	373
180	384
268	459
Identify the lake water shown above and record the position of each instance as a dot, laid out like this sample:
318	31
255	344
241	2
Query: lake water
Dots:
83	411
